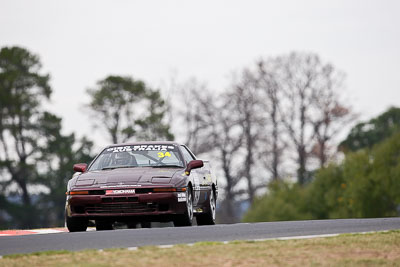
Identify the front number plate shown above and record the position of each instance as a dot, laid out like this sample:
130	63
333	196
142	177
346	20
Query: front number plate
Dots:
120	191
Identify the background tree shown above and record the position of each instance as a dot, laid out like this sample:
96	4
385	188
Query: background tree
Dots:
195	114
331	114
152	126
313	113
365	185
291	99
59	154
284	202
367	134
35	158
247	105
112	105
22	89
298	82
213	130
267	78
127	108
227	139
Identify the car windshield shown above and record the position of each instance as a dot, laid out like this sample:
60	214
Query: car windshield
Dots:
144	155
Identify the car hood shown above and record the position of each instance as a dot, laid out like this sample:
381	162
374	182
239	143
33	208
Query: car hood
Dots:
126	176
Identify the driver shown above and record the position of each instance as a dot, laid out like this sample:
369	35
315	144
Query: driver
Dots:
123	159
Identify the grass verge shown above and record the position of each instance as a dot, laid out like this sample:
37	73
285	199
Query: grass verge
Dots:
372	249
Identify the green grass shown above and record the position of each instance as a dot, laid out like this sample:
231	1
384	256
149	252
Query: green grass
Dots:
372	249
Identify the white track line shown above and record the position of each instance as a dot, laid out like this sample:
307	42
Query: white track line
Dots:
294	237
46	231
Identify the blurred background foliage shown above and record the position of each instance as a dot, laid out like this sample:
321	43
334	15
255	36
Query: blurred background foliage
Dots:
272	136
365	185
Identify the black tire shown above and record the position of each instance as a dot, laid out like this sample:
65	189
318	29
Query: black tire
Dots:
76	224
186	219
145	224
104	225
208	218
131	225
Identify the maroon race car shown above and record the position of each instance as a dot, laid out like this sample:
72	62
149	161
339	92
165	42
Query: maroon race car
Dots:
141	182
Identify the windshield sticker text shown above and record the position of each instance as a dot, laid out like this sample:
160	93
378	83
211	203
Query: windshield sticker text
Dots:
162	155
140	148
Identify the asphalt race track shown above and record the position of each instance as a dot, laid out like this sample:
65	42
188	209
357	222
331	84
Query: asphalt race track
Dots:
125	238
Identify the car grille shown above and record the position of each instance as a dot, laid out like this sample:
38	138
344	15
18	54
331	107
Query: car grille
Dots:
137	191
121	208
119	199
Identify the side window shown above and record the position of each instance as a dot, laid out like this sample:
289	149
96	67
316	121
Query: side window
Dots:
186	155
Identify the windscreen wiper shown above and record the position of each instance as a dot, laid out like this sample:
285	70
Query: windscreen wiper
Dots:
117	167
167	166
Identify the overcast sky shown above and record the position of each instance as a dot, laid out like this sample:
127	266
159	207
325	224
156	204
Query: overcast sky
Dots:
80	42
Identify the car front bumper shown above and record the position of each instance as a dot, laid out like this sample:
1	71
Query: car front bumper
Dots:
119	207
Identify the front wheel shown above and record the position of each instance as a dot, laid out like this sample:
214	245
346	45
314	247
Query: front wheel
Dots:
208	218
145	224
186	219
103	225
76	224
131	225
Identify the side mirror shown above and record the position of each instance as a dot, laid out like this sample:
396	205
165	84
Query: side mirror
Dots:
194	164
80	167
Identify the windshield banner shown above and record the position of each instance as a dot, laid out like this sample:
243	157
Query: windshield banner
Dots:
140	148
